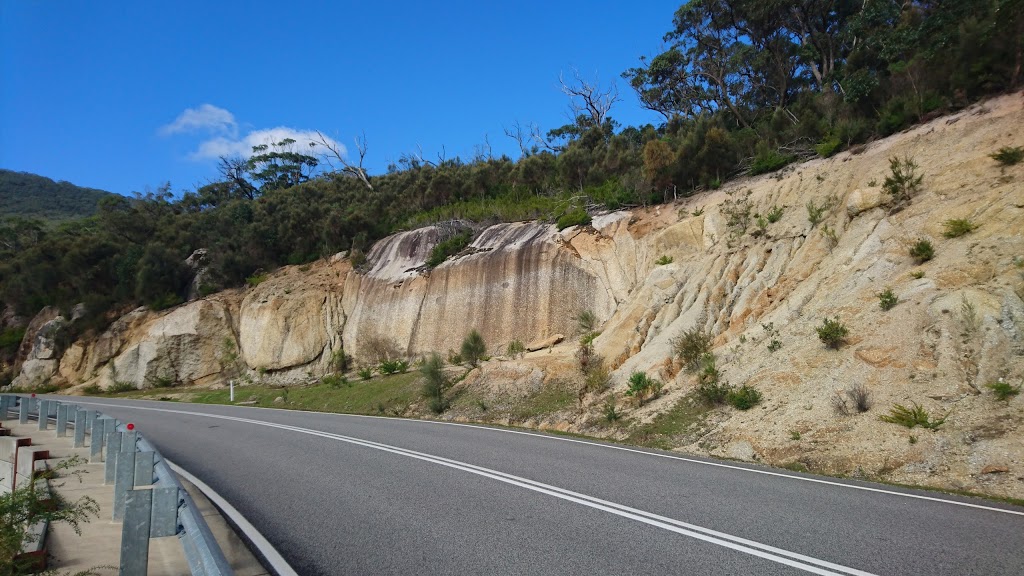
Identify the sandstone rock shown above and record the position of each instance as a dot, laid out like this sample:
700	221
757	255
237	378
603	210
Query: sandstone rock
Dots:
544	343
279	400
281	330
864	199
995	469
28	341
191	343
43	356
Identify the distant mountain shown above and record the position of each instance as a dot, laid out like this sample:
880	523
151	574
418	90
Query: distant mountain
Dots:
34	196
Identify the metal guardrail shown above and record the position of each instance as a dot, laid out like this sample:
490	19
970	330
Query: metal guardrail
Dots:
161	508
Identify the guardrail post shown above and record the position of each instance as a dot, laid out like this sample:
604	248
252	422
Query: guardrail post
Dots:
109	425
23	406
62	420
44	411
5	406
90	415
129	440
135	532
165	512
110	462
96	441
143	468
124	481
79	427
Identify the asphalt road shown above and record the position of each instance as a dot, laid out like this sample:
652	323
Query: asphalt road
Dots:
339	494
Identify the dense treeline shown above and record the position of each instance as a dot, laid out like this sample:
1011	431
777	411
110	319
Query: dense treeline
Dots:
744	86
30	196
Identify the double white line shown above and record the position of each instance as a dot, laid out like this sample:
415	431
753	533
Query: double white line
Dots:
793	559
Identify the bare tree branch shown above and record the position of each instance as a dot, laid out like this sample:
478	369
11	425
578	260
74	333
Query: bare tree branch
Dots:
347	167
588	98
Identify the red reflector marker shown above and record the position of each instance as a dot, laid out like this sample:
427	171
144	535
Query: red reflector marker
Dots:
130	426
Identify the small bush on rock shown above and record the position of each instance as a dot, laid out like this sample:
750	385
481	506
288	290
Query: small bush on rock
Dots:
743	398
922	250
887	299
833	333
642	387
691	346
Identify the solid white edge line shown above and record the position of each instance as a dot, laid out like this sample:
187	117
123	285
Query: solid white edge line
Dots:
277	563
751	547
794	560
612	447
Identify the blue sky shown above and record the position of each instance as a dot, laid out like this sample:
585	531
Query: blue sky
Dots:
125	96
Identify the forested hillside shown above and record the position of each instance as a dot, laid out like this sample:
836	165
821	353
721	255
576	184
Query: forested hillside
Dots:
31	196
744	87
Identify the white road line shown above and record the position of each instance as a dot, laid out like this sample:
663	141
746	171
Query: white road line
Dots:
627	449
746	546
270	554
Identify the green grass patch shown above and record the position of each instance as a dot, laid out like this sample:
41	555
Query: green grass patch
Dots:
680	425
552	398
389	395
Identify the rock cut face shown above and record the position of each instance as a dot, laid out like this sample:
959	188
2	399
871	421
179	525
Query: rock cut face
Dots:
519	281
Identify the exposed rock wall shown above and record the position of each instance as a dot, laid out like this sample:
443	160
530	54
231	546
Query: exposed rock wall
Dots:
958	326
517	281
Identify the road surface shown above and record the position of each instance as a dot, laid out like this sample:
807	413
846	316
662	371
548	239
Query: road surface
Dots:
340	494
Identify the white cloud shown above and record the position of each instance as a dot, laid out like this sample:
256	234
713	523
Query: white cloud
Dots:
224	146
207	118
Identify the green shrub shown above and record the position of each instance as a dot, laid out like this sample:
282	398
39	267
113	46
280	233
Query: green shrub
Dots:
256	279
340	361
815	213
828	147
769	160
1003	390
743	398
574	217
335	381
691	346
922	251
610	412
164	382
92	390
120	386
911	417
903	181
473	348
710	387
887	299
775	214
388	367
664	260
833	333
597	377
515	349
366	372
10	339
434	383
770	332
586	321
642	387
24	506
448	248
957	227
1008	156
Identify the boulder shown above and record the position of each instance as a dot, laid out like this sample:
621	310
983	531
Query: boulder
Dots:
864	199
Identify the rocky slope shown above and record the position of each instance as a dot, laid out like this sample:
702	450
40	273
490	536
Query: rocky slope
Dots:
958	325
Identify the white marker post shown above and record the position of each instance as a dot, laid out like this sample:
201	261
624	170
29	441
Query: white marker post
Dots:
232	383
